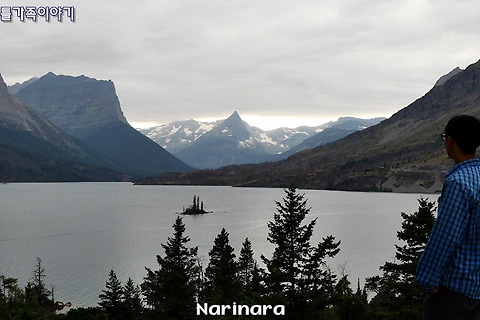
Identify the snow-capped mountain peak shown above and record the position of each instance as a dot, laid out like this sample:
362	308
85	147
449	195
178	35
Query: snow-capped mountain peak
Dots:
234	141
178	135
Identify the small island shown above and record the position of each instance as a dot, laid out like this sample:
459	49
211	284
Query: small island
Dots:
195	208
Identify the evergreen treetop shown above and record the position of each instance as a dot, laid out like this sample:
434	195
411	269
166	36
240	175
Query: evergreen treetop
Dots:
111	299
222	282
397	294
297	272
172	290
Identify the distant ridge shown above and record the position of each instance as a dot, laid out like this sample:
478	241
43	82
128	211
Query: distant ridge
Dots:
89	110
17	86
334	131
403	153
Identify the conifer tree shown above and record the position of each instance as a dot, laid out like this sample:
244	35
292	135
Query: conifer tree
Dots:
349	305
13	304
172	290
397	294
38	281
131	299
246	263
297	273
222	282
250	275
111	299
9	288
37	294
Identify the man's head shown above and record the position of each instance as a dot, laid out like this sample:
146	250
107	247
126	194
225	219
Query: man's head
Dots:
465	132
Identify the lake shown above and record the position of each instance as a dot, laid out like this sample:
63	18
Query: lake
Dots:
83	230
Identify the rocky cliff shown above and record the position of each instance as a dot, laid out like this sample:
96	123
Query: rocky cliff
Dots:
89	110
74	104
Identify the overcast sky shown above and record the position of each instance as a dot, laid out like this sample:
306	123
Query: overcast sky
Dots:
277	62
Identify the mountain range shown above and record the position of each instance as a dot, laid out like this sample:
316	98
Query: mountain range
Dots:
82	120
403	153
234	141
63	128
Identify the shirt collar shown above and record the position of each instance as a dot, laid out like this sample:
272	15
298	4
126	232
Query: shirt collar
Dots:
466	163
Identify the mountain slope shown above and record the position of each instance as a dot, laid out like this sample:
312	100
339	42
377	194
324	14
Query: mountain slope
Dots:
334	131
33	149
402	153
89	110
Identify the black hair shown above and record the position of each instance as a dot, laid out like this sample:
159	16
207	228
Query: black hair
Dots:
465	131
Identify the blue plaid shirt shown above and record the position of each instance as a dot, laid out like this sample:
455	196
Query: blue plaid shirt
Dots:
452	254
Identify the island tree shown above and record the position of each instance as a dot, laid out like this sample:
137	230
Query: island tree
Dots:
195	208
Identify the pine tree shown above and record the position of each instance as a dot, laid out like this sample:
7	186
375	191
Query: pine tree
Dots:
246	263
131	299
222	282
397	294
37	293
250	275
40	290
111	299
173	289
349	305
297	274
9	288
12	299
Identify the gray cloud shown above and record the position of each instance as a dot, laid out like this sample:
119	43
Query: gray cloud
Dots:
173	60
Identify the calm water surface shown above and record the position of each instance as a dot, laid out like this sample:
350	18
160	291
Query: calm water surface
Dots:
83	230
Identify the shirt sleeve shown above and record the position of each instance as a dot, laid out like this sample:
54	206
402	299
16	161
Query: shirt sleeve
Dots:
445	236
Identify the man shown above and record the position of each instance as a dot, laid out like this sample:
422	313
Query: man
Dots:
449	269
